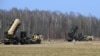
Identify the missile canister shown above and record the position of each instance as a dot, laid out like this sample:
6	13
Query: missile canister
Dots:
13	27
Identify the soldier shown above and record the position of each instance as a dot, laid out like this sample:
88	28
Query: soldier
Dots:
49	41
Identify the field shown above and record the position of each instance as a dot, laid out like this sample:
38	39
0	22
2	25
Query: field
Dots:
55	48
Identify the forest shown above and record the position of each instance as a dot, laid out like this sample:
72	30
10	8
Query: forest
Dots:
51	24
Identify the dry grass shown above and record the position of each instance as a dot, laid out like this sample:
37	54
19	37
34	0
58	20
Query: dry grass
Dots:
56	48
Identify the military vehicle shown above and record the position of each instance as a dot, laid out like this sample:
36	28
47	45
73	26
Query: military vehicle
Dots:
12	38
72	35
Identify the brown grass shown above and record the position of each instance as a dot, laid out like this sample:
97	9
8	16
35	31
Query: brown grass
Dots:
56	48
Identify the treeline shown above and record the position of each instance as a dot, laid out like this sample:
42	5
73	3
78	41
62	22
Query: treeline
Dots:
53	25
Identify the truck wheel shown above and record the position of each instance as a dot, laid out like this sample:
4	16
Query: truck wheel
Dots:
6	43
15	42
38	41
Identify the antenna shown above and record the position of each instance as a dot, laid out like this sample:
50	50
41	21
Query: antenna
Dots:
23	26
0	24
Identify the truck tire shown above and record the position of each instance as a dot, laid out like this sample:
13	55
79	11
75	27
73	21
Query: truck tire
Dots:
38	41
6	42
